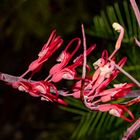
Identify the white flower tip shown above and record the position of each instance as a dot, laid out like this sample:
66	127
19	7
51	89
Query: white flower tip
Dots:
119	85
42	53
76	59
68	76
97	64
60	57
117	27
44	99
41	89
114	112
21	88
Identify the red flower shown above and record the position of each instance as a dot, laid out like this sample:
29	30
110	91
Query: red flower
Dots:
92	90
43	89
117	110
60	72
104	74
64	58
119	90
53	43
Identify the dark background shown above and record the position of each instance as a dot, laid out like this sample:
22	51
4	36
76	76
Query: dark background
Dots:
25	26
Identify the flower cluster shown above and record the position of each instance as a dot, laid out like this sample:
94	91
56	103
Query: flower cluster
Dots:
46	88
95	95
93	91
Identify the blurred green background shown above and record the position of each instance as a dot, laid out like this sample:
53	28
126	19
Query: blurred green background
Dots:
25	26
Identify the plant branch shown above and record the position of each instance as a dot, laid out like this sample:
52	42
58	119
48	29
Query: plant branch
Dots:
9	79
131	130
136	10
127	75
133	94
137	42
84	62
85	59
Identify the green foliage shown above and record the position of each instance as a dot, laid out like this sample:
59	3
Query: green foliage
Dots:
123	14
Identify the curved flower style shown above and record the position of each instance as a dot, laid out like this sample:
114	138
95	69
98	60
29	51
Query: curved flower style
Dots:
119	90
53	43
115	110
64	58
69	72
95	92
39	89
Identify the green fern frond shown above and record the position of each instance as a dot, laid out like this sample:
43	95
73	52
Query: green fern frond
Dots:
90	121
124	15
